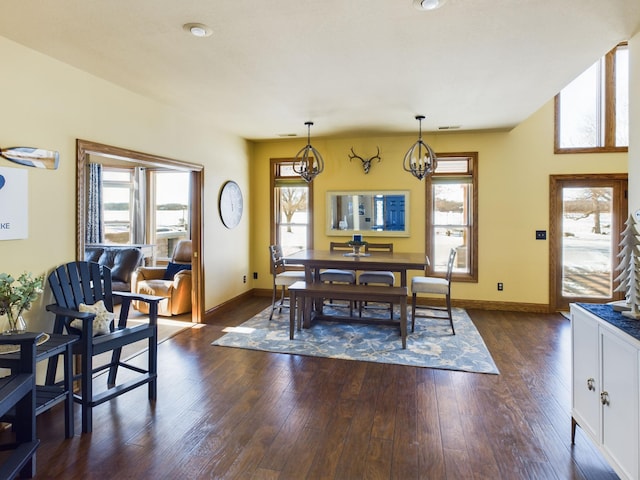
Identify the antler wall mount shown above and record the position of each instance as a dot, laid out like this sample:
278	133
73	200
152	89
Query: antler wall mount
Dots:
366	162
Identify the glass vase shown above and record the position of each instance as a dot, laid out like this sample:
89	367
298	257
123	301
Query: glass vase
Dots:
16	325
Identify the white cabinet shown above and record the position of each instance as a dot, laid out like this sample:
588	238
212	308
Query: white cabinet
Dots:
606	389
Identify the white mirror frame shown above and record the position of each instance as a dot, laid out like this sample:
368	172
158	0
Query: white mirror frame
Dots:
343	221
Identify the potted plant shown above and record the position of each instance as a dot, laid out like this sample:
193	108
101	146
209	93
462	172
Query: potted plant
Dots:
16	296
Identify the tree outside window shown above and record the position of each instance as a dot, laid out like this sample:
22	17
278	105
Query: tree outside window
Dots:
291	215
452	193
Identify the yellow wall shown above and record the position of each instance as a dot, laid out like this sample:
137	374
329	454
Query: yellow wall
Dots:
514	169
48	104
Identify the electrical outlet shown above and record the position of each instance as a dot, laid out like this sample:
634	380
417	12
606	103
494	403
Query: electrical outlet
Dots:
244	279
541	234
500	286
255	275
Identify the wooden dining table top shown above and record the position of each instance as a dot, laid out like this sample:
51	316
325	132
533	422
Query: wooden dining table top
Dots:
314	260
395	261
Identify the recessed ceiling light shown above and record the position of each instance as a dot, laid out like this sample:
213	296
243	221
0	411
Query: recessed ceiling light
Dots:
198	29
428	4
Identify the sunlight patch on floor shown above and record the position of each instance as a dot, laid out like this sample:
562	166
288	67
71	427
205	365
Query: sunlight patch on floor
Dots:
238	329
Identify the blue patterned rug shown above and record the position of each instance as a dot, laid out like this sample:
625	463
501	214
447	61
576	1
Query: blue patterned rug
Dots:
431	345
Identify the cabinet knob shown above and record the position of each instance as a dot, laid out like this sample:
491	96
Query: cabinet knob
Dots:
604	398
591	384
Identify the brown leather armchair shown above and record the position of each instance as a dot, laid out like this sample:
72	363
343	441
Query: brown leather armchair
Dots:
172	282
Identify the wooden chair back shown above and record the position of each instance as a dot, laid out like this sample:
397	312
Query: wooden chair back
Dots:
277	259
333	246
450	261
379	247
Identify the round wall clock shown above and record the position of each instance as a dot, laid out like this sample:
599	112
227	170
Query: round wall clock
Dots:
230	204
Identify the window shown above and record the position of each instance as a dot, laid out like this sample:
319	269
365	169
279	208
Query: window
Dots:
169	198
292	208
452	213
592	112
126	197
117	192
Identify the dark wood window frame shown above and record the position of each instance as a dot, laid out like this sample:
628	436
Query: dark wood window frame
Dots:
472	275
609	114
276	163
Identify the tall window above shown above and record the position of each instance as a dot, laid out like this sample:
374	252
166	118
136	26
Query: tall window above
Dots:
292	208
452	215
592	112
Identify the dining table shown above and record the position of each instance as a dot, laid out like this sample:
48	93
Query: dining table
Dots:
315	260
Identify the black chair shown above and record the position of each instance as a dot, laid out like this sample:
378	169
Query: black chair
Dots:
18	396
88	283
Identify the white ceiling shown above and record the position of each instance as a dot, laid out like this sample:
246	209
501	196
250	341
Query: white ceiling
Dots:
352	67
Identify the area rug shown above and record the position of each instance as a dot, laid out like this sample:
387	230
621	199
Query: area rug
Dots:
431	345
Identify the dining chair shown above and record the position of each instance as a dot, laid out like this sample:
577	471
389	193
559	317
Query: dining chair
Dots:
434	286
377	277
282	278
335	275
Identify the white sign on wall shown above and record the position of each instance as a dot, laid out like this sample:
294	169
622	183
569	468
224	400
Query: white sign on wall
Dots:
14	208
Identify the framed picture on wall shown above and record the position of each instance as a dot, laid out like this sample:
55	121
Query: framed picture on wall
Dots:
14	208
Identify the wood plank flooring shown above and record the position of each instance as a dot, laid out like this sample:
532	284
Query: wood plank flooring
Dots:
225	413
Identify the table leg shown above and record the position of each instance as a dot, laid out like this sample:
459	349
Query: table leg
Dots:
293	302
68	386
301	311
403	321
318	303
308	304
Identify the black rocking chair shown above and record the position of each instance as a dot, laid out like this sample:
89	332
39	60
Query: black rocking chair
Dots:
88	283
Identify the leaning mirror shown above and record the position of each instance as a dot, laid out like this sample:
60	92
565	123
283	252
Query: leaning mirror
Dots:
378	213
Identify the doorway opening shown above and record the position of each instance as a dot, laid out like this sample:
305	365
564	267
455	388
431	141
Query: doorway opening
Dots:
189	214
587	215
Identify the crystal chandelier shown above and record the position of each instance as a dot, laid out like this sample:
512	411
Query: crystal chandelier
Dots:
420	160
308	162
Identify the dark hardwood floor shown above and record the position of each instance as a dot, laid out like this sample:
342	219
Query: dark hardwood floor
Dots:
240	414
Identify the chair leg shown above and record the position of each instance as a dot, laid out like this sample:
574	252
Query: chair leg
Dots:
113	369
153	364
87	390
273	301
413	313
281	300
450	315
